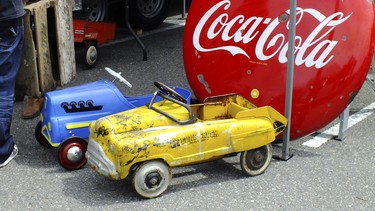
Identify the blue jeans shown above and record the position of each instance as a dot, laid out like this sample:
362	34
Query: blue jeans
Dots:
11	40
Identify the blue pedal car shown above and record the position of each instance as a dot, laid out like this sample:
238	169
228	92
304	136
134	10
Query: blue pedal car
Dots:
66	115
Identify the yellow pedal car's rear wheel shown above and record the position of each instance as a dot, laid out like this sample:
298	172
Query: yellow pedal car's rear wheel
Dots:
151	179
40	137
256	161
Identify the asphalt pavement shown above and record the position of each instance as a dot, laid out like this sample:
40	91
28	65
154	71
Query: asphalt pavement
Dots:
336	175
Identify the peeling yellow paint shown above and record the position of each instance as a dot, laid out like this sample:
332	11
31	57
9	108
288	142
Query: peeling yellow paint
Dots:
224	125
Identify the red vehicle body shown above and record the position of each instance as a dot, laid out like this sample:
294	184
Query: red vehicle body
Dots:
92	34
98	32
241	47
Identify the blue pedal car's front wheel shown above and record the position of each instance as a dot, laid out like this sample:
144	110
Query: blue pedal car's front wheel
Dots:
72	153
40	137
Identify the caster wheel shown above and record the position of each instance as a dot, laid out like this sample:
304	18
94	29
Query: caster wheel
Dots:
91	57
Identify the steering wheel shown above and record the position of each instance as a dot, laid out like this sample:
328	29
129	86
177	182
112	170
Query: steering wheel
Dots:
118	76
167	90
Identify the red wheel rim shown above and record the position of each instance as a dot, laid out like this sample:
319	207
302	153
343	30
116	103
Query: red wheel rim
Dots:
72	154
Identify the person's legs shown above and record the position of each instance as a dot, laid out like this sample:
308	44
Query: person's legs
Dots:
11	38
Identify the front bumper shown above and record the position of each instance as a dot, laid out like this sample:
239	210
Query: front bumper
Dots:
97	160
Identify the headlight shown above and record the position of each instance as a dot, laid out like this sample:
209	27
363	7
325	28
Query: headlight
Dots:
112	148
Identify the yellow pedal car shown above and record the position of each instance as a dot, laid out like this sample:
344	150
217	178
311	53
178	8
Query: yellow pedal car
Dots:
146	142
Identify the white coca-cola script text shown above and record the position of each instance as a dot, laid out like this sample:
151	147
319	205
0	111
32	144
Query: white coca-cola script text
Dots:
314	50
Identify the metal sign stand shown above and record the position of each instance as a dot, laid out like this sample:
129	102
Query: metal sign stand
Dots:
183	9
370	79
290	78
344	122
344	116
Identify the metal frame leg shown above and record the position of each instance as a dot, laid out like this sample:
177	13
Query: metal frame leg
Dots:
285	155
132	31
344	121
183	9
371	75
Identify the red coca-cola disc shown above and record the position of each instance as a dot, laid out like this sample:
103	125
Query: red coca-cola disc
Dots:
241	47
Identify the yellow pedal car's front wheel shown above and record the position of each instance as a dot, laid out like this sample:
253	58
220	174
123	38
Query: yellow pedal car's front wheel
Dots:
256	161
152	178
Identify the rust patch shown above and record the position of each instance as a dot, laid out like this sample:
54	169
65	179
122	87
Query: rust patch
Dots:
190	139
101	131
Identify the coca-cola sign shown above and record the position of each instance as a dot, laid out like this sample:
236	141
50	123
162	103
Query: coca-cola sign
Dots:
242	46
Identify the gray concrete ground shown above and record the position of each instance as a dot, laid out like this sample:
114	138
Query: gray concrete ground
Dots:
338	175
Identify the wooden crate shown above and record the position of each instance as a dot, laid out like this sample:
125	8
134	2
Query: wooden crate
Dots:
48	53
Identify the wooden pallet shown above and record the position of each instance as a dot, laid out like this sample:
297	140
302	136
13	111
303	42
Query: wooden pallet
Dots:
48	53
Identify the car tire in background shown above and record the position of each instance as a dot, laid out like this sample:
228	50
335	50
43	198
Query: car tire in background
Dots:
92	10
148	14
144	14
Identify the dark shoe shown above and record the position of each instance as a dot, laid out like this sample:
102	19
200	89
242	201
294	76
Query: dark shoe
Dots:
11	156
32	108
